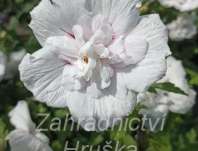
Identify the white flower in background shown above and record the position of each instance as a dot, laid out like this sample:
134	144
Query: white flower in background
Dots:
182	28
163	102
25	137
9	65
13	63
2	65
96	56
181	5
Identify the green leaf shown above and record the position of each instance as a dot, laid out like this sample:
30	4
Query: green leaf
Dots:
194	77
97	140
56	145
190	147
2	144
160	142
2	129
167	86
13	23
62	113
19	1
129	140
191	136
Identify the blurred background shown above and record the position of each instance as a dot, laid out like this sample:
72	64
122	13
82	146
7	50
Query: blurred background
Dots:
16	39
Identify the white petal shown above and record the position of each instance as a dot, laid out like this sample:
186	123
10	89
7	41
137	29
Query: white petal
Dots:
103	35
182	28
182	5
57	19
101	50
2	71
17	56
135	49
117	56
78	34
167	101
153	66
2	65
72	78
85	21
117	47
97	22
42	71
65	47
22	141
154	102
20	117
42	137
123	15
182	104
13	63
106	74
97	109
176	74
99	114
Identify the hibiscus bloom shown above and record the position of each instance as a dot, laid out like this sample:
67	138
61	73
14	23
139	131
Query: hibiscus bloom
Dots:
25	137
96	56
163	102
181	5
182	28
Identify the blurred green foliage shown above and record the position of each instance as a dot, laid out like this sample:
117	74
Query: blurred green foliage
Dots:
181	131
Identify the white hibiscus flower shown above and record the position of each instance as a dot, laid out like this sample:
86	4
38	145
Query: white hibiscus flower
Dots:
2	65
25	137
163	102
96	57
182	28
181	5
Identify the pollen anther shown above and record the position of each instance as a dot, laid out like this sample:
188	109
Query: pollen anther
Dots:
85	59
